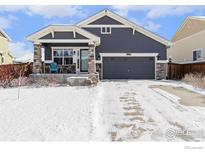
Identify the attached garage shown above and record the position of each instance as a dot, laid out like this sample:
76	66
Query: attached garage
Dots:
128	67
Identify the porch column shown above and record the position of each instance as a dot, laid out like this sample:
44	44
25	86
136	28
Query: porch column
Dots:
93	75
37	65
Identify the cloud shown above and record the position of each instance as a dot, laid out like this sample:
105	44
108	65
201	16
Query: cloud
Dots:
12	8
152	26
123	10
153	12
19	49
46	11
55	11
159	11
6	22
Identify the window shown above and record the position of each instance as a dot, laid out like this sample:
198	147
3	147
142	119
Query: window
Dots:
105	30
197	54
2	59
63	56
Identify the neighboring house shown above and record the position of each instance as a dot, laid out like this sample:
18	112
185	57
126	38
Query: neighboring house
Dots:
116	47
5	56
188	44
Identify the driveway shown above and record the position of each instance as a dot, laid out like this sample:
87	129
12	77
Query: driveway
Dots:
121	110
136	111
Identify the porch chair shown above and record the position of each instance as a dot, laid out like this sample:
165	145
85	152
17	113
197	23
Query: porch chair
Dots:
53	67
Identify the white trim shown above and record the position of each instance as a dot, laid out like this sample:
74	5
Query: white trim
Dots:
48	61
64	41
189	62
4	38
155	68
201	18
162	61
80	59
74	33
64	47
98	61
4	33
129	55
52	33
112	26
125	22
67	28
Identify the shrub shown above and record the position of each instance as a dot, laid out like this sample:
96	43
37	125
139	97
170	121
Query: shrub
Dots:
12	71
195	79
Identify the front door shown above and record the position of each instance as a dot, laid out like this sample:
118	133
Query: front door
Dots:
84	60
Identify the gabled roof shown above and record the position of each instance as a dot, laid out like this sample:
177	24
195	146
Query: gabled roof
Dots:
57	28
190	26
5	35
124	21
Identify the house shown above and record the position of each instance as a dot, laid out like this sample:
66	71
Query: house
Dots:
104	44
5	56
187	45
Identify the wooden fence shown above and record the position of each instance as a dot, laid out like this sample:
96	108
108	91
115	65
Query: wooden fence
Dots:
177	71
15	69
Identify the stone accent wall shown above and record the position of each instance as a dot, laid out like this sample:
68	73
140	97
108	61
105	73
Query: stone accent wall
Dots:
161	70
37	65
93	75
98	69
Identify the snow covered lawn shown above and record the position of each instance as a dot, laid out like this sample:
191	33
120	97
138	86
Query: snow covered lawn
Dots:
112	111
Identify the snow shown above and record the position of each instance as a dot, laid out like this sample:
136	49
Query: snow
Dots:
169	96
113	110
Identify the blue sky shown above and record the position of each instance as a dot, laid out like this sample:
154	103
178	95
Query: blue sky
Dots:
20	21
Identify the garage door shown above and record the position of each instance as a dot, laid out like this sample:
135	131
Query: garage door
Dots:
128	68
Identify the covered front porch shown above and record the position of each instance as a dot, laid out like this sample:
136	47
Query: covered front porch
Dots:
65	50
68	60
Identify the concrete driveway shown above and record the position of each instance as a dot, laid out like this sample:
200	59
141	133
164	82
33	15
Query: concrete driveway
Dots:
137	110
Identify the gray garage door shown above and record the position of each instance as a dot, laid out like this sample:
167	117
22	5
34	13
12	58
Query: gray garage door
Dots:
128	68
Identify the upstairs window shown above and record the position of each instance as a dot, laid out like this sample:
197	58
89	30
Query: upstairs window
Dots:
197	54
105	30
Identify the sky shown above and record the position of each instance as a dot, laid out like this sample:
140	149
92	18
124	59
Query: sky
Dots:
20	21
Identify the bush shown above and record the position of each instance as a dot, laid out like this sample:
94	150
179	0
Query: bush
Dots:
12	71
195	79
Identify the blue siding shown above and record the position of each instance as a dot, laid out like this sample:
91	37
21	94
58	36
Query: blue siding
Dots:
63	35
122	40
48	47
105	21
